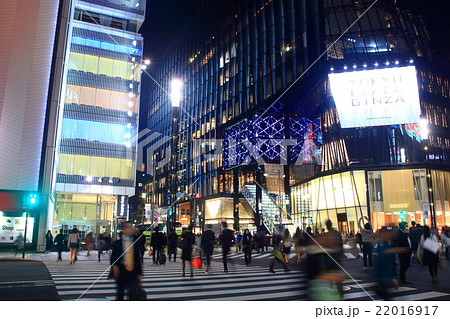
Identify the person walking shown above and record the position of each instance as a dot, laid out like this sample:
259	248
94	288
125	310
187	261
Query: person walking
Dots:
207	245
403	244
73	243
89	239
18	244
157	243
278	255
101	246
48	241
367	241
445	240
126	265
429	251
415	233
298	242
226	240
247	247
186	244
287	244
172	245
59	242
385	264
238	241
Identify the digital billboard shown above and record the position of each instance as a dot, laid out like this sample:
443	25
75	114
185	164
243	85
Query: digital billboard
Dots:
376	97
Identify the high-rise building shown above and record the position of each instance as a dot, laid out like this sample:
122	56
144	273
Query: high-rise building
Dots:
96	152
294	112
27	37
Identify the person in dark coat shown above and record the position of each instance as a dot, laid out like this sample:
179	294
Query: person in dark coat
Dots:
247	247
186	244
60	244
207	245
126	264
403	244
141	242
48	241
157	242
226	239
172	244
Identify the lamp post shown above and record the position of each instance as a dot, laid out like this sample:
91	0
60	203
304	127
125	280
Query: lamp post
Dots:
176	86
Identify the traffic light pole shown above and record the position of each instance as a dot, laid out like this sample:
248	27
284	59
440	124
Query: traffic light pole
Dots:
25	236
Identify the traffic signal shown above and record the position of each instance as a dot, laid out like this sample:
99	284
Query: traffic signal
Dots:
197	195
32	200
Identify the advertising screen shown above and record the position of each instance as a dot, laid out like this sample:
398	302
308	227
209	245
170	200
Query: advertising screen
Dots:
11	227
376	97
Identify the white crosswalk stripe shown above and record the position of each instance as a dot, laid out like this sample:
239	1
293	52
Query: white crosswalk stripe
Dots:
166	283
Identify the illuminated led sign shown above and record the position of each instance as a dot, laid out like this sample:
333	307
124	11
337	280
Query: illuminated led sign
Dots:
376	97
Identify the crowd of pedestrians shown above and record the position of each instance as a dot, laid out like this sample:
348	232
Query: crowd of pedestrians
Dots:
382	251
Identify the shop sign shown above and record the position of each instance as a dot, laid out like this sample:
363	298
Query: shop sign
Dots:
11	227
400	205
122	206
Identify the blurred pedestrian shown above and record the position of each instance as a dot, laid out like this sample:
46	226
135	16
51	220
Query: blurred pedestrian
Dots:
367	241
73	243
207	245
278	256
126	265
89	240
298	243
172	245
18	244
186	244
157	243
48	241
257	241
101	246
141	243
403	244
429	250
226	239
238	241
385	263
287	244
59	242
445	240
265	240
414	236
247	240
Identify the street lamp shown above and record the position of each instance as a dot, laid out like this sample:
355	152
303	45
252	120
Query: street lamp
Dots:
175	92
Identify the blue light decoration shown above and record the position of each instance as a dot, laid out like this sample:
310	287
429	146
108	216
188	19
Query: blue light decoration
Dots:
308	135
265	135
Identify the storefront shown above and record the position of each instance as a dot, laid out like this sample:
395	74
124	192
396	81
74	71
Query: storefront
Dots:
394	196
221	210
87	213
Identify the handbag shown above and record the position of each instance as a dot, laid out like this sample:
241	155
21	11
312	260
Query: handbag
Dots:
150	252
431	245
197	262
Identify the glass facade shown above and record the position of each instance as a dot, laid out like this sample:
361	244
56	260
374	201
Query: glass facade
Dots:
245	90
388	196
97	151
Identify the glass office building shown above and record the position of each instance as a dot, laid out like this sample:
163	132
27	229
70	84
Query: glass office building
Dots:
96	162
263	139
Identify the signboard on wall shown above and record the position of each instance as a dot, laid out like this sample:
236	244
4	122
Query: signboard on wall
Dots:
11	227
122	206
376	97
426	209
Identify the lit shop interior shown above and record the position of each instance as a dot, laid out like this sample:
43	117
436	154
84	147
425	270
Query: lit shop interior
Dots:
393	195
86	212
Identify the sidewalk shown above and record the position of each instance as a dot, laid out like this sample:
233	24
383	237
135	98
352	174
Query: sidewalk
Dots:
26	280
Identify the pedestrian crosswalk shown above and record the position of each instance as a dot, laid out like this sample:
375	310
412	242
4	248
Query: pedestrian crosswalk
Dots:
165	283
87	280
